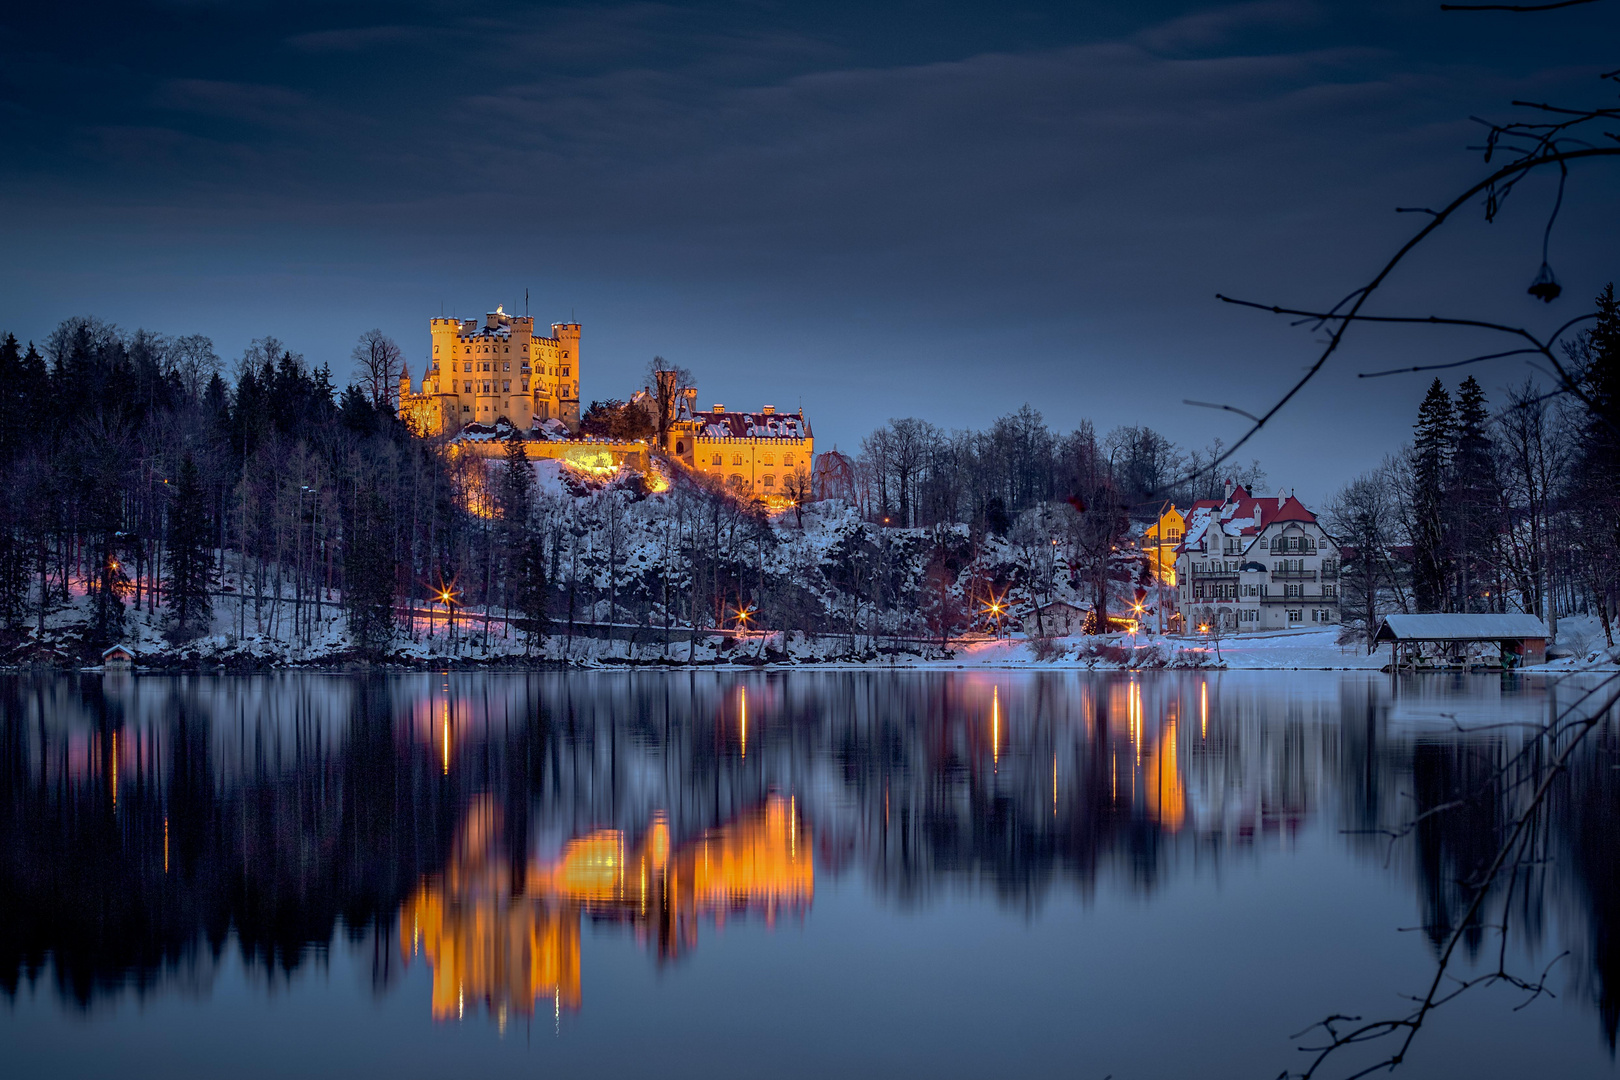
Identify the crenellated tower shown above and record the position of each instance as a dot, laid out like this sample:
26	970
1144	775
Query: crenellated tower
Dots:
480	373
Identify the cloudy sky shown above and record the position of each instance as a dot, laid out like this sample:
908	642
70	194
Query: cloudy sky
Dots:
870	210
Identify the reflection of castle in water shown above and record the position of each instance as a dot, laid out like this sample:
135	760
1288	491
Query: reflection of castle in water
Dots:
508	939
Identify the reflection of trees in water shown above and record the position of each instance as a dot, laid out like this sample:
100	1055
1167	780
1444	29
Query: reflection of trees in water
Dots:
130	852
1585	816
290	807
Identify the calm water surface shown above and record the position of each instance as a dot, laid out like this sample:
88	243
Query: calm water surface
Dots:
738	875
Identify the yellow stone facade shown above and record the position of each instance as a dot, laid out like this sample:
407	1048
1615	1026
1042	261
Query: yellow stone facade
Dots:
500	370
765	454
482	373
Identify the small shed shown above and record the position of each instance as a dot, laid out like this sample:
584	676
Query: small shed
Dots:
1522	639
118	658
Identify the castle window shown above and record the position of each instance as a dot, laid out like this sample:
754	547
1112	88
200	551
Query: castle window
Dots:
467	388
466	367
525	386
787	459
735	479
435	350
717	459
466	408
565	371
770	481
680	447
736	459
768	459
506	386
507	366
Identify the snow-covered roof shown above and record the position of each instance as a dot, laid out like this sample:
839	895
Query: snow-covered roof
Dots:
1460	628
1242	514
751	425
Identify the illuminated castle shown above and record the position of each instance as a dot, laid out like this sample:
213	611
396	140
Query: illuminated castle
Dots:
765	454
497	371
490	383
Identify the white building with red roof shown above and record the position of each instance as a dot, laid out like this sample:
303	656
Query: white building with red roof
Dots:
1251	563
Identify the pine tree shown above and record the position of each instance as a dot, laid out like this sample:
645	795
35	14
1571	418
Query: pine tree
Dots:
526	584
1473	498
1431	460
369	570
12	413
191	612
13	577
516	479
1597	487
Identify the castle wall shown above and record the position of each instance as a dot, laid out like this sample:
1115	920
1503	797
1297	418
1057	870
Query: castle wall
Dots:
583	453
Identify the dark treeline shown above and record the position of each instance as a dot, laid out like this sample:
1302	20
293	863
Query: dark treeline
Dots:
912	473
141	475
1511	508
265	504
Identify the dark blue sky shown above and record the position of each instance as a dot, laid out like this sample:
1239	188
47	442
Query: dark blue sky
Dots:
941	210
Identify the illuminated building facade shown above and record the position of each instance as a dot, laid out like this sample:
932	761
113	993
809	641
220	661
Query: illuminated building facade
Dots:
1251	563
1160	541
491	382
765	454
478	374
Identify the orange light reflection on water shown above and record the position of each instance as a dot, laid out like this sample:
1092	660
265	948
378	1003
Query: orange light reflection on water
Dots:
508	945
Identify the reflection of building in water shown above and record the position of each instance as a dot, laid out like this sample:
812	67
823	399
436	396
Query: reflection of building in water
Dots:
509	945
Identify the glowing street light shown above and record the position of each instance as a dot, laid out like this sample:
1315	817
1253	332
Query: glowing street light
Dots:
994	608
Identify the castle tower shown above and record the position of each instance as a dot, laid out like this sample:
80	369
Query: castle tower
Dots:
483	371
567	338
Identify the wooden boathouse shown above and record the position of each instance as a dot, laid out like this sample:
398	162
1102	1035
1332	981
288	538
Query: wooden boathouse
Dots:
1520	639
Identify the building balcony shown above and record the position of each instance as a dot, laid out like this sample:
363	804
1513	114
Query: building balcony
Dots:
1293	575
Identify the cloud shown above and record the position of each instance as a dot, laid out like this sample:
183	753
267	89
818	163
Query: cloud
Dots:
1224	26
358	38
268	106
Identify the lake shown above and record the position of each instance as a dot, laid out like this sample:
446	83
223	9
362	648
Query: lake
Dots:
795	874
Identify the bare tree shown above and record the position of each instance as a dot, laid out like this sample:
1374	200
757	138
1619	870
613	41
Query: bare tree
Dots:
192	358
378	364
667	383
1364	521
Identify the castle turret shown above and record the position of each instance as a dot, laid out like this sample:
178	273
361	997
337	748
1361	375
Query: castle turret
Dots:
567	336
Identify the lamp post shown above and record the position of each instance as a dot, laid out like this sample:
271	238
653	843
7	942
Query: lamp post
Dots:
448	599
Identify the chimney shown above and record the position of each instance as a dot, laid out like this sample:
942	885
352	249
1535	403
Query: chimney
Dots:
1282	497
718	408
770	410
1230	485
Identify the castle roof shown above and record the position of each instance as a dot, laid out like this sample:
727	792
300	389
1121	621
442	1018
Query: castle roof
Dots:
751	425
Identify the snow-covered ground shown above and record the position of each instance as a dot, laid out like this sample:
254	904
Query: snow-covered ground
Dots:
1283	650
